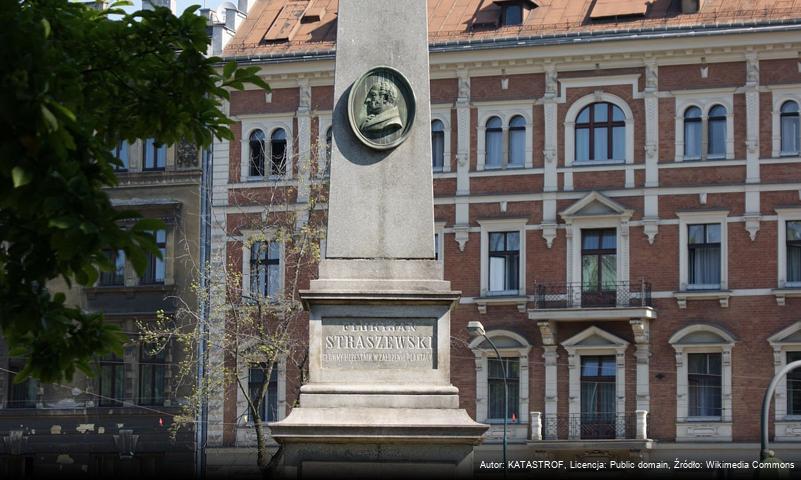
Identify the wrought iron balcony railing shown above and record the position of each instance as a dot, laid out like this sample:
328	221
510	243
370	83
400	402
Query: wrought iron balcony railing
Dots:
577	295
590	426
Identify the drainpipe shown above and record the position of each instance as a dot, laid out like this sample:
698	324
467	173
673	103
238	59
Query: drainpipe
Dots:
201	424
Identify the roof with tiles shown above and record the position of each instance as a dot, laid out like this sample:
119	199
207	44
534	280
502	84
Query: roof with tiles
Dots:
276	27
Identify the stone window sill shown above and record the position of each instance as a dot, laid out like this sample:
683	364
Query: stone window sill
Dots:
790	291
515	299
789	429
722	296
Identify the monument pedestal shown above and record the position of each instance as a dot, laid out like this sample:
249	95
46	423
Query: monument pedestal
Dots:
379	400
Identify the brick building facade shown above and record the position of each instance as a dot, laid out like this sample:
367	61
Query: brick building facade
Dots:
617	196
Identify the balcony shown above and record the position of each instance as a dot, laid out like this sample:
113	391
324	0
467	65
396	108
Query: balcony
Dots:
612	430
578	302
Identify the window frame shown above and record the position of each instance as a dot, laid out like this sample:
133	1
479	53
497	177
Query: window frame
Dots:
443	114
502	225
437	135
283	161
153	261
690	375
782	116
723	119
324	124
117	366
505	111
248	238
30	384
154	362
716	340
785	215
156	148
706	217
570	128
782	94
782	343
122	146
266	262
699	121
114	257
267	124
705	100
692	248
592	125
259	164
521	351
263	405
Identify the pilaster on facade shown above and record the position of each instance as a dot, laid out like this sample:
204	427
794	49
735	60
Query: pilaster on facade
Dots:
550	356
651	96
303	116
642	341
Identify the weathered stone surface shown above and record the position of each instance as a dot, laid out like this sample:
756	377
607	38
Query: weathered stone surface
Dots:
381	202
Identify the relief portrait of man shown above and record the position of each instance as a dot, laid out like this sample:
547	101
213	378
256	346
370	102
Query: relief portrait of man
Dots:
383	116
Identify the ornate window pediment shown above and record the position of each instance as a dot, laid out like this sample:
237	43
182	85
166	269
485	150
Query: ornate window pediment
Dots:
596	204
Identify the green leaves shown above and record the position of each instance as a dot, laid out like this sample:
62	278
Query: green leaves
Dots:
78	83
20	176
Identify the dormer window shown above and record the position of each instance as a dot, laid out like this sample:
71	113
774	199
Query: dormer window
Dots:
513	12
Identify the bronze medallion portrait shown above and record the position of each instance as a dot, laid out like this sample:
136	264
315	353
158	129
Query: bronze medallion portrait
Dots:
381	108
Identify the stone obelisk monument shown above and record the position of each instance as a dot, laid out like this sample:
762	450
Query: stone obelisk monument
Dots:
379	401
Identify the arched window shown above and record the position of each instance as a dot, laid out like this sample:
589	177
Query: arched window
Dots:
600	133
329	139
494	143
517	141
693	127
790	129
437	145
716	123
278	152
257	153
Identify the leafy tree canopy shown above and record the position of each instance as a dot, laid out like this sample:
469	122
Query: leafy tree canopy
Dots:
73	83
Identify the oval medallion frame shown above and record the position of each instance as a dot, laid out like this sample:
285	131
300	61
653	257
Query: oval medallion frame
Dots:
381	108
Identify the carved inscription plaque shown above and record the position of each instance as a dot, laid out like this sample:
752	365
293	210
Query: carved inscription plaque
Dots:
379	343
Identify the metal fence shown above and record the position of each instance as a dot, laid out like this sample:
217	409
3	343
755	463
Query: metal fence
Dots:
590	426
577	295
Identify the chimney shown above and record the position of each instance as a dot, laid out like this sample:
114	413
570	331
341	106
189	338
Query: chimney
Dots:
691	6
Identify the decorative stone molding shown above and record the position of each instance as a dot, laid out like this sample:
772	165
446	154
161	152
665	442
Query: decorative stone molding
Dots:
721	296
509	344
535	419
704	100
548	332
788	427
461	233
594	341
702	338
596	210
549	233
650	227
752	225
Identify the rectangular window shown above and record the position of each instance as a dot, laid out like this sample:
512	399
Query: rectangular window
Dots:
704	385
154	269
155	155
504	262
152	366
112	379
704	253
495	387
117	276
794	252
21	395
599	267
121	153
268	406
598	403
265	269
794	386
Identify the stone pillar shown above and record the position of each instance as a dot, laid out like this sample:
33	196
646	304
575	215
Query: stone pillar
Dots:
651	213
752	198
462	220
642	430
304	140
641	330
536	426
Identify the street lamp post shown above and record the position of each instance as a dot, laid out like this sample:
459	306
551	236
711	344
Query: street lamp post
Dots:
765	453
476	329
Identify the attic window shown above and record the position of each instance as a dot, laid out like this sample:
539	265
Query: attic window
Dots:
514	12
605	9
